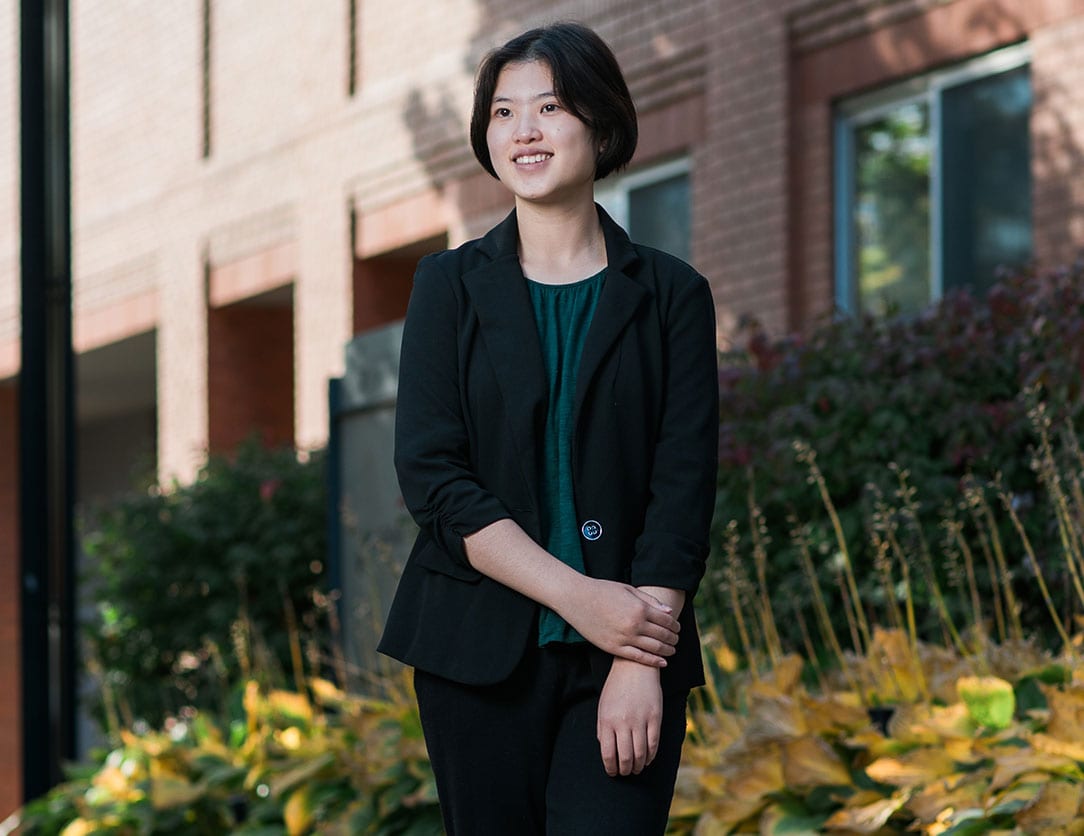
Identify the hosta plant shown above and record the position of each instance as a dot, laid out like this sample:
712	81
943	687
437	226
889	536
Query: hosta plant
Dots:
996	745
321	762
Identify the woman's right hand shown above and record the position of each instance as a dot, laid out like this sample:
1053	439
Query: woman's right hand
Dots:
622	620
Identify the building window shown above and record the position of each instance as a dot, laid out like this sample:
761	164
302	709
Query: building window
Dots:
653	205
933	184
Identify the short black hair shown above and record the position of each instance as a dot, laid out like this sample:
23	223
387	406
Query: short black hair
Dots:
586	79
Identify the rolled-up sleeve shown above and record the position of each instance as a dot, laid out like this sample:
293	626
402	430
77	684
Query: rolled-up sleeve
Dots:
432	447
672	549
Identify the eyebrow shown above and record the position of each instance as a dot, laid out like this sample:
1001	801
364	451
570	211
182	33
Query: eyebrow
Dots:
549	94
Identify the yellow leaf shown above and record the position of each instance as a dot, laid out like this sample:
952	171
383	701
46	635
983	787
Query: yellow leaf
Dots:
1057	805
173	792
1010	764
112	780
78	827
896	670
327	692
720	728
810	762
834	714
929	804
727	812
726	658
298	811
709	825
1052	746
712	783
290	738
291	705
919	766
775	718
754	772
876	744
866	818
952	721
1066	713
785	676
252	704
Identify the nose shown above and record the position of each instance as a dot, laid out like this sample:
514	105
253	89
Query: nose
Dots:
527	128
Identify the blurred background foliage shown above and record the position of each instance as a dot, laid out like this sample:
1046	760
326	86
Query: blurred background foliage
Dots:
901	414
178	575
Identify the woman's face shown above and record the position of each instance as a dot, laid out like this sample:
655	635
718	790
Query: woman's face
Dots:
540	151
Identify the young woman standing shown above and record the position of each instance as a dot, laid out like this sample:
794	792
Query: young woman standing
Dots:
556	439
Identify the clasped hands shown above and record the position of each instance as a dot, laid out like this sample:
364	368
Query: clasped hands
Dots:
640	631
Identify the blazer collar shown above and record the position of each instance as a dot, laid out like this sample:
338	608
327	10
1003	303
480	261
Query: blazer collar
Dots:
499	295
503	240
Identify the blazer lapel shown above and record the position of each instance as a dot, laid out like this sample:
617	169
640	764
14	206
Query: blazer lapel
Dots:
621	296
499	295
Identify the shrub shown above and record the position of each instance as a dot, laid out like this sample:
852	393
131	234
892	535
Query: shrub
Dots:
934	399
289	764
176	575
987	742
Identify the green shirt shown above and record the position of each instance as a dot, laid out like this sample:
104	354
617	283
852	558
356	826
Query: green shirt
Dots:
563	315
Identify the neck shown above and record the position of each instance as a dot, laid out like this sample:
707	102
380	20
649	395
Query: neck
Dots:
558	245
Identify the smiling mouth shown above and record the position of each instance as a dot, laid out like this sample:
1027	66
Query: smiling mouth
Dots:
531	159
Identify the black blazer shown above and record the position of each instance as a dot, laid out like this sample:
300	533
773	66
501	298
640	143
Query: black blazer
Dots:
471	409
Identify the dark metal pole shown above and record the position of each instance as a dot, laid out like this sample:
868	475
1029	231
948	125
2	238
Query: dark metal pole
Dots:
45	398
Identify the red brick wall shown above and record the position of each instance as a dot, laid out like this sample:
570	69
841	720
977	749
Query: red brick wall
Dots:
1057	134
381	290
250	376
10	693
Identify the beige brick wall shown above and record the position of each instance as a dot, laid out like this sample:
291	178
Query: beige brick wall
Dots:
9	187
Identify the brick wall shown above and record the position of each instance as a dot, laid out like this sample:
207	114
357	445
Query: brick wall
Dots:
250	375
10	693
1057	74
382	289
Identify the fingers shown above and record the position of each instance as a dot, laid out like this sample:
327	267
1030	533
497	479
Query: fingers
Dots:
625	750
652	600
660	633
635	654
608	745
653	735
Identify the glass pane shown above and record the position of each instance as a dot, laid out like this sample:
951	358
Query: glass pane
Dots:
892	211
986	215
660	216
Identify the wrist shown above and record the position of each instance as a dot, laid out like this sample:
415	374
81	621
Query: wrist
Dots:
566	591
627	667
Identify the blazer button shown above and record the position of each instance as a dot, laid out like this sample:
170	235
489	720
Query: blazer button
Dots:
591	530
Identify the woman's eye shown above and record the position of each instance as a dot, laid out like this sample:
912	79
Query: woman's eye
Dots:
502	111
550	108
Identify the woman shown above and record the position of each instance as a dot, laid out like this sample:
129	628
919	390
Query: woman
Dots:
556	439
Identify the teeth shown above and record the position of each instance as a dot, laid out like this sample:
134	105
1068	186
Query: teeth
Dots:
534	158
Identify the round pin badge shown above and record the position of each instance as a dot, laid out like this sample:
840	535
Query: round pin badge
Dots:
591	530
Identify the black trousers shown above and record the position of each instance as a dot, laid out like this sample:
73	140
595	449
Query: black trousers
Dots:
521	758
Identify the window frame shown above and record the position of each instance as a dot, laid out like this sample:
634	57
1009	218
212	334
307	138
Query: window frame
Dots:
613	192
855	111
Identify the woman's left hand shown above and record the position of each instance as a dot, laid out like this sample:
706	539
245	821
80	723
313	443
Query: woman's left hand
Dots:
629	717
